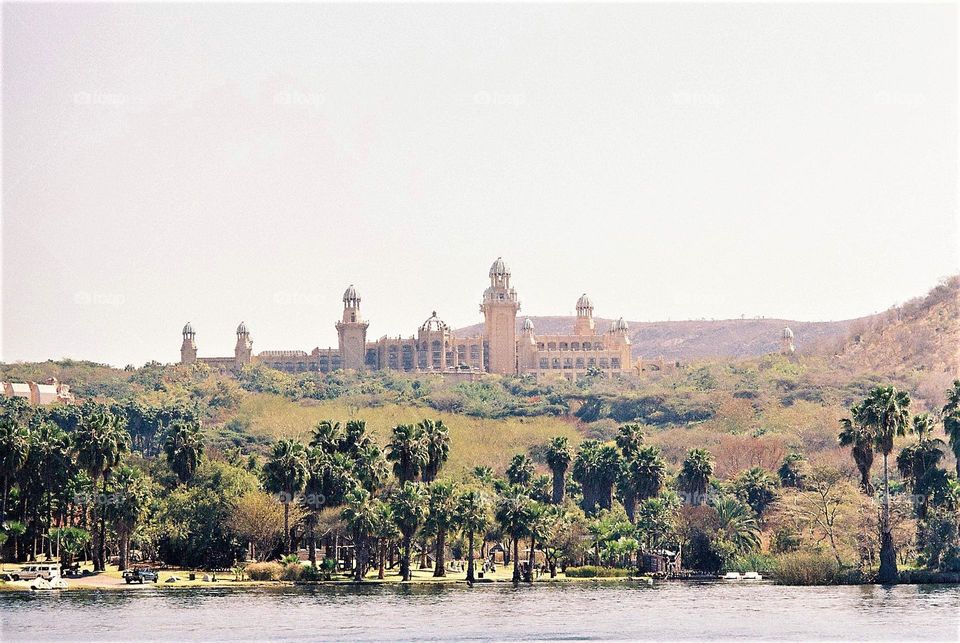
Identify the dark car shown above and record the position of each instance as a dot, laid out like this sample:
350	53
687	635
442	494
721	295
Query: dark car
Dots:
140	576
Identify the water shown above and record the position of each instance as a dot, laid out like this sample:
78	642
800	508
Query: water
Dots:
667	611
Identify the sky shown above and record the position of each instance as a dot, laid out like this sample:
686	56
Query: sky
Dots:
215	163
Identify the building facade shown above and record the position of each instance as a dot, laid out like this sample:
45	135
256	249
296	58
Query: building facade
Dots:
435	348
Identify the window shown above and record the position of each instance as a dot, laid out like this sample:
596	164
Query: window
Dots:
586	346
552	346
564	346
539	346
544	362
580	362
604	362
568	362
592	361
575	346
556	362
615	362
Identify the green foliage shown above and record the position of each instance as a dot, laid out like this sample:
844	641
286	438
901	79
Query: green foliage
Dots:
807	568
264	571
594	571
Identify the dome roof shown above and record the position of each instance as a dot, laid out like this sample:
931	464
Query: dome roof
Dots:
584	301
527	324
350	294
188	329
499	268
620	324
787	333
242	329
434	324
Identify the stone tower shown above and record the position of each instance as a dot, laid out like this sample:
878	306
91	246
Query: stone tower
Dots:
499	308
786	342
584	323
243	351
527	347
352	332
188	349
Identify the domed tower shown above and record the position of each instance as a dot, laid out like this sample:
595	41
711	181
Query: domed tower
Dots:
527	347
433	345
243	351
499	307
188	349
584	323
620	340
352	331
786	342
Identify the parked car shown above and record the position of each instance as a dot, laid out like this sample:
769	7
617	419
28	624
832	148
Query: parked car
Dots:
140	575
37	570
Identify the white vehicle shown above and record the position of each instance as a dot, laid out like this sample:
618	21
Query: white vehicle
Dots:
731	576
752	576
37	570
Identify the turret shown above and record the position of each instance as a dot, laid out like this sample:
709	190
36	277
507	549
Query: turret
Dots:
188	349
352	331
243	351
786	342
584	323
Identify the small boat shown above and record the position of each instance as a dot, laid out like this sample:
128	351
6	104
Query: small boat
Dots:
731	576
40	583
752	576
58	583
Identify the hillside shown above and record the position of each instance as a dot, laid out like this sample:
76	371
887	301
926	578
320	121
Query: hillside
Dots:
698	339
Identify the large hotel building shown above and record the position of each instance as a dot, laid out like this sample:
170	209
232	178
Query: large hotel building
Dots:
501	348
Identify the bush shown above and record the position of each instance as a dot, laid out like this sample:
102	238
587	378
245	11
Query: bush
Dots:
310	574
807	568
753	563
264	571
293	571
593	571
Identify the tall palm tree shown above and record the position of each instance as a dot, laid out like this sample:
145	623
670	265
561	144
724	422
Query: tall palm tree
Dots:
409	505
327	436
440	519
130	496
386	532
407	451
360	513
370	467
558	459
916	462
629	439
596	468
472	517
951	420
737	524
886	411
99	445
184	448
14	449
757	487
859	438
642	477
285	474
355	438
695	475
513	513
520	470
51	469
436	438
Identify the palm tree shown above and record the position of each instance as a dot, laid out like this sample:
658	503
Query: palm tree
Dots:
407	451
409	507
472	517
886	412
596	468
360	514
793	471
629	438
355	438
100	443
440	519
184	448
14	449
436	438
737	524
130	496
520	470
385	530
951	421
285	474
853	434
327	436
558	459
916	462
642	477
513	513
695	475
51	467
757	488
370	467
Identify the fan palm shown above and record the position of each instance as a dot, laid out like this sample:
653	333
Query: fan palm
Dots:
629	439
737	524
409	505
327	436
596	468
361	514
859	438
440	519
407	451
695	475
130	496
514	512
436	438
184	448
558	459
951	421
14	448
520	470
916	462
285	474
472	517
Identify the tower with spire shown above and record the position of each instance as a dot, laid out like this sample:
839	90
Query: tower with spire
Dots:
188	349
499	307
352	332
243	351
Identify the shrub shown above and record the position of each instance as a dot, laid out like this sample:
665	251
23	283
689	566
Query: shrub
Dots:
293	571
593	571
753	563
807	568
264	571
310	574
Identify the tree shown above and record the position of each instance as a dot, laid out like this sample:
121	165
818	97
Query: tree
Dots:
514	512
184	448
360	514
472	517
756	487
793	471
737	524
285	474
596	468
385	530
558	459
440	519
951	421
860	440
70	541
258	519
130	496
695	475
917	463
656	520
409	507
520	470
14	448
436	438
629	439
327	436
886	412
407	451
99	445
642	477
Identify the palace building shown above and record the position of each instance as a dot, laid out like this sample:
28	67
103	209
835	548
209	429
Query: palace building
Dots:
436	349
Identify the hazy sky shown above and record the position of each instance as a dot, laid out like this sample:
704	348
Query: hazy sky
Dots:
216	163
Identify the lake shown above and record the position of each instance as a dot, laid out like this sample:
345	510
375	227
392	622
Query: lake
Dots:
669	610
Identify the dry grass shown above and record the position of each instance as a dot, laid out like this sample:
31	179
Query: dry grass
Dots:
473	441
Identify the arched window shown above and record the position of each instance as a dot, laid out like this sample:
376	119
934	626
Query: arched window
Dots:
556	362
564	346
551	346
575	346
